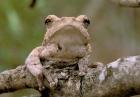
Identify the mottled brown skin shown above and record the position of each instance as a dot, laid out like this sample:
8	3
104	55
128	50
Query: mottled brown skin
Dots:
66	40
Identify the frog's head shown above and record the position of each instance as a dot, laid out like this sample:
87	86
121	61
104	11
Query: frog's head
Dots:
56	25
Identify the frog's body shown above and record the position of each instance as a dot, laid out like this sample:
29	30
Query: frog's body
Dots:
66	40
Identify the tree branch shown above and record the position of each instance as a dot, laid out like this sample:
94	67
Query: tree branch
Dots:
129	3
120	78
15	79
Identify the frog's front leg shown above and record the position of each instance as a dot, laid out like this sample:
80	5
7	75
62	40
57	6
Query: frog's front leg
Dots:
83	65
85	61
49	51
34	66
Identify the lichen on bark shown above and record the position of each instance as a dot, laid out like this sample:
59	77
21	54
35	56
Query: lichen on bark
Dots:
120	78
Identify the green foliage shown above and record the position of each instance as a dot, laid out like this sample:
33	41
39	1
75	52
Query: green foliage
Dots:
22	27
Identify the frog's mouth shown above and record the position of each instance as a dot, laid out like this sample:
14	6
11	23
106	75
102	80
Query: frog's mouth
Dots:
71	31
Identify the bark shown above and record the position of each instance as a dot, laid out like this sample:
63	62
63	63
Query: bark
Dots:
120	78
129	3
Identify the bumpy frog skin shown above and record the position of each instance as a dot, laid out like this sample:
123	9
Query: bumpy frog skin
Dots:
66	40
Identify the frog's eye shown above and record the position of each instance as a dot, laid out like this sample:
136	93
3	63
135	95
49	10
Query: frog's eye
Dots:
84	19
47	21
51	18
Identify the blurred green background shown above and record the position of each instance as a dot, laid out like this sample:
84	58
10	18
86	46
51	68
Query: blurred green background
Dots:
115	30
